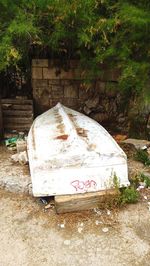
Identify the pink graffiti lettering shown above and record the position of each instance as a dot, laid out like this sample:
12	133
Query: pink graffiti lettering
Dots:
83	185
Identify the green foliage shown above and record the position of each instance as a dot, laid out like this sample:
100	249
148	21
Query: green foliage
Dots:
125	194
142	156
128	195
145	179
116	182
98	32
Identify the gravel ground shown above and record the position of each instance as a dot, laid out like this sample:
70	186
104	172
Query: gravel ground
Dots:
13	176
31	235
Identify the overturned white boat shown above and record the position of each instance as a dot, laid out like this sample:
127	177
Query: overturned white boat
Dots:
70	153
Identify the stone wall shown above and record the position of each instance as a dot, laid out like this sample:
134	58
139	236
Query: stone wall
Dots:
101	100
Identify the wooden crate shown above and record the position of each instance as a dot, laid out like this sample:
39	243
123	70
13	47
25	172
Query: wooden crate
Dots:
17	114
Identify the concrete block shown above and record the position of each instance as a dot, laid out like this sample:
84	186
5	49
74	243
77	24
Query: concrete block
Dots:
111	89
54	101
37	73
110	75
40	62
67	82
100	87
70	74
71	91
57	91
50	73
83	93
74	64
57	82
71	102
37	83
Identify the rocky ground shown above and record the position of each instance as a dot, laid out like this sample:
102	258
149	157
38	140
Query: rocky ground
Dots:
13	176
33	235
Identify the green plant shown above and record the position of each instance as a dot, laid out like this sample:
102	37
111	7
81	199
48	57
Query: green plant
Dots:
142	156
145	179
135	180
128	195
116	182
125	194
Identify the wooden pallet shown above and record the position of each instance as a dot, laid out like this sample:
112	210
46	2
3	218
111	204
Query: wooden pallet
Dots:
85	201
17	114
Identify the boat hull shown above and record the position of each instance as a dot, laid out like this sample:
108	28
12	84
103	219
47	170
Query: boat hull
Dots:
81	158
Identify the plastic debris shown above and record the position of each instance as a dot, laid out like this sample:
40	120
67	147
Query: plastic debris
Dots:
21	145
145	197
108	212
97	222
80	224
144	147
67	242
11	142
105	229
140	187
142	184
62	225
48	206
21	157
43	201
97	211
80	230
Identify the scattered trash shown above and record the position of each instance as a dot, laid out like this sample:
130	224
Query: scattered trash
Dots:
145	197
140	187
80	224
97	211
48	206
80	230
144	147
21	145
105	229
108	212
98	222
11	142
43	201
18	142
142	184
61	225
21	157
67	242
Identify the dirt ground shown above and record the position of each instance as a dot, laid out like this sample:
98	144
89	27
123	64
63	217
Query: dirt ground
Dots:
31	235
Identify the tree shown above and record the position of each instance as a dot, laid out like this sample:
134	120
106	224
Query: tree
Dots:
98	32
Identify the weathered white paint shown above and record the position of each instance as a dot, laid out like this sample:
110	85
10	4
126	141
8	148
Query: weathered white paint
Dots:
71	153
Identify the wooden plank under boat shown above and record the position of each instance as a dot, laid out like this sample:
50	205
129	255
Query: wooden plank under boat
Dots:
69	153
